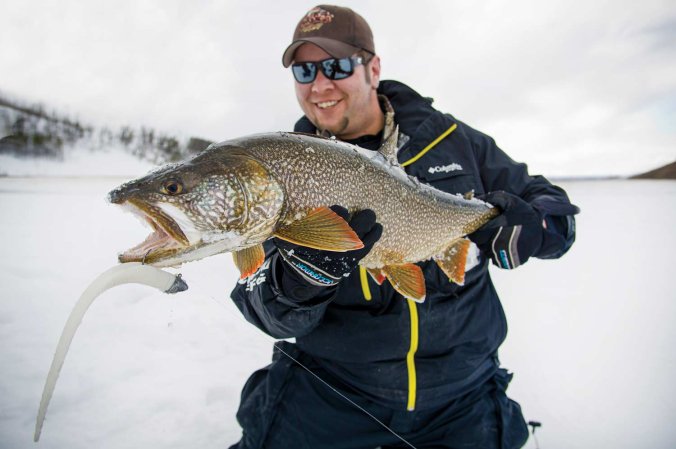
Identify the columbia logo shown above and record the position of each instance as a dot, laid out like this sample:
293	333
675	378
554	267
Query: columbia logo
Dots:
445	168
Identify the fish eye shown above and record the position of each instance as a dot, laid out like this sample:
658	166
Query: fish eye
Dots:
172	187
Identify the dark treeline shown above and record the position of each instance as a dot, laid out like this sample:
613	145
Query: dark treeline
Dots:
33	131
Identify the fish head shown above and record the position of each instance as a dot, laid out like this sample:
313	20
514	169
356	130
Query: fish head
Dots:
210	204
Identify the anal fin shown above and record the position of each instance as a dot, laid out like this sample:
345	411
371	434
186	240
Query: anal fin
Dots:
454	259
248	260
321	229
407	279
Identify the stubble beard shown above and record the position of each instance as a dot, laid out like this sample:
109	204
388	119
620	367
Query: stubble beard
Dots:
338	129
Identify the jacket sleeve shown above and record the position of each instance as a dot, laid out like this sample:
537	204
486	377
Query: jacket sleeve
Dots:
264	303
499	172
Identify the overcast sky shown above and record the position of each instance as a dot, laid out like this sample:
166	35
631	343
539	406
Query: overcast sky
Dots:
571	88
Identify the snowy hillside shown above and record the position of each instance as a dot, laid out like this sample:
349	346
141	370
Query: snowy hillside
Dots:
35	142
77	161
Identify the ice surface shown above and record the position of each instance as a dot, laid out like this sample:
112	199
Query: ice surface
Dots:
590	336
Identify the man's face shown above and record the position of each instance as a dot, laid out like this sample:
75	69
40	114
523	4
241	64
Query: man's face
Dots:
344	107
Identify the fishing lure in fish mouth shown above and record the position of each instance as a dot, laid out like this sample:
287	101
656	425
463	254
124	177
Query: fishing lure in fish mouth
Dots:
128	273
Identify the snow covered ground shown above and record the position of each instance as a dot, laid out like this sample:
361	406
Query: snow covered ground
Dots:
591	336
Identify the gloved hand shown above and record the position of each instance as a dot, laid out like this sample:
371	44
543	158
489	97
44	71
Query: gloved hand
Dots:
512	237
313	267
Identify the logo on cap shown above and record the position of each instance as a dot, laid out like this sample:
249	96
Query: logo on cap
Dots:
315	19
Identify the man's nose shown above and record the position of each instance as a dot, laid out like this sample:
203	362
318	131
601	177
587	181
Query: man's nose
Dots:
321	83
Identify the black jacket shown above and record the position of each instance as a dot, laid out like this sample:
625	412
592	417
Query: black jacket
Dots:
364	343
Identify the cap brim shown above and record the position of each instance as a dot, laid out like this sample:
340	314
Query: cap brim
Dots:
333	47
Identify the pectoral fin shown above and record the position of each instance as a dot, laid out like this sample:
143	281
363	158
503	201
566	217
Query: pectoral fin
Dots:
453	260
248	260
321	229
407	279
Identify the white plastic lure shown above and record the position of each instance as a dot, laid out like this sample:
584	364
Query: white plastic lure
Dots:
127	273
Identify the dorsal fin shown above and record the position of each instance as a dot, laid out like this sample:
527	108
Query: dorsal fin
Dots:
389	146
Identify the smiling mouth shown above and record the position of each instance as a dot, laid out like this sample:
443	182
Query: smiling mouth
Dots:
326	104
166	239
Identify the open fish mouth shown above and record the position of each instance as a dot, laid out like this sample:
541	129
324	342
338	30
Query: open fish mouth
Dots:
167	238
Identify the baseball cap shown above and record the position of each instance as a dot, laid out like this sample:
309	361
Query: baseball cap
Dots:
337	30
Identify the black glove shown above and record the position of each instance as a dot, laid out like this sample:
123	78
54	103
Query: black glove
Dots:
313	267
513	236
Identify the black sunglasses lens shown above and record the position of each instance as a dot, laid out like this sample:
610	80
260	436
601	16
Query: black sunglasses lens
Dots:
304	72
333	69
337	69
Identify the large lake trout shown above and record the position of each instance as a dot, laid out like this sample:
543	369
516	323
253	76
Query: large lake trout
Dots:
239	193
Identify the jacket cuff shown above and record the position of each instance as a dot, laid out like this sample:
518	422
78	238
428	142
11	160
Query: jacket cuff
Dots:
559	225
295	291
557	237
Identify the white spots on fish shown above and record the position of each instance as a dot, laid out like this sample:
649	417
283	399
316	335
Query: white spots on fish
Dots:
200	209
310	150
303	173
207	217
263	211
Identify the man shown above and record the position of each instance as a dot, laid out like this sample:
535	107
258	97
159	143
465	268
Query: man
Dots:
370	368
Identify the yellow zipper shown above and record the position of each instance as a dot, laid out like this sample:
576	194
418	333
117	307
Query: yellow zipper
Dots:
410	357
364	283
430	146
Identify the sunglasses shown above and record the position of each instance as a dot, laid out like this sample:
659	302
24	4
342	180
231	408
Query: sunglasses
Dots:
332	68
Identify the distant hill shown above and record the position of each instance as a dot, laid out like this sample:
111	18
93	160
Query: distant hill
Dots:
33	132
666	172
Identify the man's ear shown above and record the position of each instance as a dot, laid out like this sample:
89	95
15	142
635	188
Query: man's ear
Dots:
374	69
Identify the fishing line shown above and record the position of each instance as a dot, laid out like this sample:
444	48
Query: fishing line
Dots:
534	425
345	397
322	380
